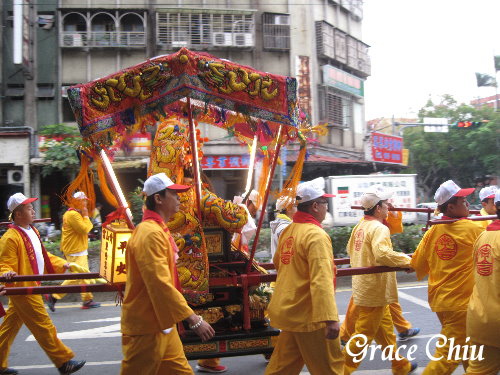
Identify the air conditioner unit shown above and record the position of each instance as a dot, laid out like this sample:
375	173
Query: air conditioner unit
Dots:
73	40
222	39
15	177
243	39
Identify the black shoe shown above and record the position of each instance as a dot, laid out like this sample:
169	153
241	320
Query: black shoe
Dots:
71	367
408	334
414	366
8	371
51	302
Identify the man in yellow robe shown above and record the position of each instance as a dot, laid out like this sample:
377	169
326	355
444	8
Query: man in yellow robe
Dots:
22	253
370	245
74	245
483	314
404	328
153	303
303	303
486	196
445	255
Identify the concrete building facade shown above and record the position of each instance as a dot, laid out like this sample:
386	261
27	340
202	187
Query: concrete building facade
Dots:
320	44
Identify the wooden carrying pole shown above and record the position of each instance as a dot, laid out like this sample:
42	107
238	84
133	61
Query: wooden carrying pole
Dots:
44	220
411	209
194	152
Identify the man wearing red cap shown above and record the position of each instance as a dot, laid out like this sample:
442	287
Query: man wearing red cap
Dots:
22	253
303	304
445	255
74	245
153	303
483	314
370	245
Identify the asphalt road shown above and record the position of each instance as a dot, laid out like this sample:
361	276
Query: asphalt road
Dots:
95	337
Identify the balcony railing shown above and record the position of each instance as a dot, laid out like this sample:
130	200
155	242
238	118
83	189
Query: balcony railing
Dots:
103	39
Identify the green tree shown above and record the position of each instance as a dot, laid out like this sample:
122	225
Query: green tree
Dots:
464	155
60	149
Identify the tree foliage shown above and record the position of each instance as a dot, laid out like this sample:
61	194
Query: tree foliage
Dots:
60	149
465	155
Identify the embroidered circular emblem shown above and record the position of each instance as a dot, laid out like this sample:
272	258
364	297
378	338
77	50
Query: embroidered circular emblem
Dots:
446	247
287	251
484	260
359	237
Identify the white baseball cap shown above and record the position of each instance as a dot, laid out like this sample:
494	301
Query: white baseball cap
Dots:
487	192
80	195
448	190
283	202
497	197
373	195
310	190
159	182
18	199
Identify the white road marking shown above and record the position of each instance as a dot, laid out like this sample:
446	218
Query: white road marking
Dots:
415	300
115	319
92	333
52	366
413	287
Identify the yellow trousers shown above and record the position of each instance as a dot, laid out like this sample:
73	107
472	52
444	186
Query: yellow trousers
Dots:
154	354
452	325
490	365
30	310
375	323
347	327
293	349
81	260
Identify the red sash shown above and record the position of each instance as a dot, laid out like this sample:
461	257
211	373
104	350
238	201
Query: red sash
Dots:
2	311
30	250
495	225
153	216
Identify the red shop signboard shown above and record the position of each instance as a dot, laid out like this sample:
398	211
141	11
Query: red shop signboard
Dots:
225	162
387	148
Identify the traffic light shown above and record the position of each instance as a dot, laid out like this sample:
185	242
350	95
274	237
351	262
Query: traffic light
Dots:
469	124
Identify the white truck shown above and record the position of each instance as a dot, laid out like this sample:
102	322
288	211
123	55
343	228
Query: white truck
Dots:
348	190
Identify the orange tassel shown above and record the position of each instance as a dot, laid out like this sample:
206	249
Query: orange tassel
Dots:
84	181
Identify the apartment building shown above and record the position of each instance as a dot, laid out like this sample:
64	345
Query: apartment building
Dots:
319	43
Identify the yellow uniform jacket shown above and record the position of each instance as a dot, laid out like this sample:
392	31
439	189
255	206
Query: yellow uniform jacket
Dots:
484	223
483	315
152	303
445	254
304	295
74	233
13	257
370	245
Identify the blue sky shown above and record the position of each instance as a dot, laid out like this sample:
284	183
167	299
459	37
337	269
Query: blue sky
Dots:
427	48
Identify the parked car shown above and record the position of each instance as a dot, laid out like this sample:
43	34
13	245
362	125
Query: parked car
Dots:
422	217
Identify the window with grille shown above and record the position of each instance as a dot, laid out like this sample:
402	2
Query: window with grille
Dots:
336	107
204	29
276	31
